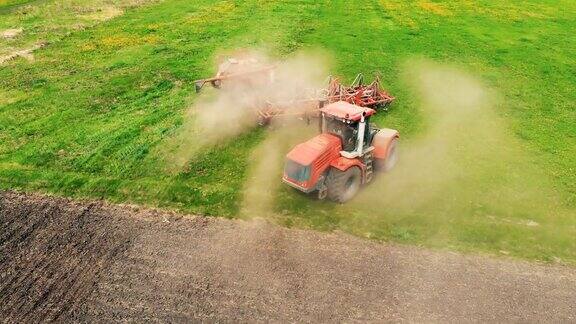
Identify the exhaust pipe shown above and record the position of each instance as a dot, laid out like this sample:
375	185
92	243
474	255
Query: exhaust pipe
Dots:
361	130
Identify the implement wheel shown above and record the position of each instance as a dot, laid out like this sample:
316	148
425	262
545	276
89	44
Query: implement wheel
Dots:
343	185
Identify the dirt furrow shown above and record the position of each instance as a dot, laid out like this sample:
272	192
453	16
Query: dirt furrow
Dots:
74	261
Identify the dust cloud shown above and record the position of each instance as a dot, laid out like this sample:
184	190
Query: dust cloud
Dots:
218	115
266	165
465	165
460	128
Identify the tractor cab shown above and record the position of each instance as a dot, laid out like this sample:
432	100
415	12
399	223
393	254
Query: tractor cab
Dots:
351	124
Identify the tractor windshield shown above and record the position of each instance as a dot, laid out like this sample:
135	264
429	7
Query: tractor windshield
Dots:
346	131
295	171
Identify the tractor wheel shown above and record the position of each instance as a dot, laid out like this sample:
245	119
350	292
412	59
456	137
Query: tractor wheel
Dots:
391	158
343	185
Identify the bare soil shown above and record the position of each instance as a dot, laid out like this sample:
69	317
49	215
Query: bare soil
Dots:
91	261
25	53
11	33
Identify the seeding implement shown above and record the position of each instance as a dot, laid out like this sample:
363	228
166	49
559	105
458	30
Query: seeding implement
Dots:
343	156
250	72
364	95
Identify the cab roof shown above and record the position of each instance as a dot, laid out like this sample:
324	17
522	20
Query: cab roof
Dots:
347	111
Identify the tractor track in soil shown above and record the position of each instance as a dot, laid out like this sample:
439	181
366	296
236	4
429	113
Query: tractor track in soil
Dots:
84	261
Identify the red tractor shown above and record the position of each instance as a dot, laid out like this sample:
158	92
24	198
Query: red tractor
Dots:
343	156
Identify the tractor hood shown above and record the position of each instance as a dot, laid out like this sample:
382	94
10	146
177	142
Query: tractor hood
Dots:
308	152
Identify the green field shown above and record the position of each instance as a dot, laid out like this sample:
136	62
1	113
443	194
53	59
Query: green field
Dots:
90	114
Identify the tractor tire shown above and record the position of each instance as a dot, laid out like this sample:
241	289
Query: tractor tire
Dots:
343	185
391	158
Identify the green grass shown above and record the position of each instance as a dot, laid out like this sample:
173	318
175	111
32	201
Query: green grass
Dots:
6	5
43	21
87	118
